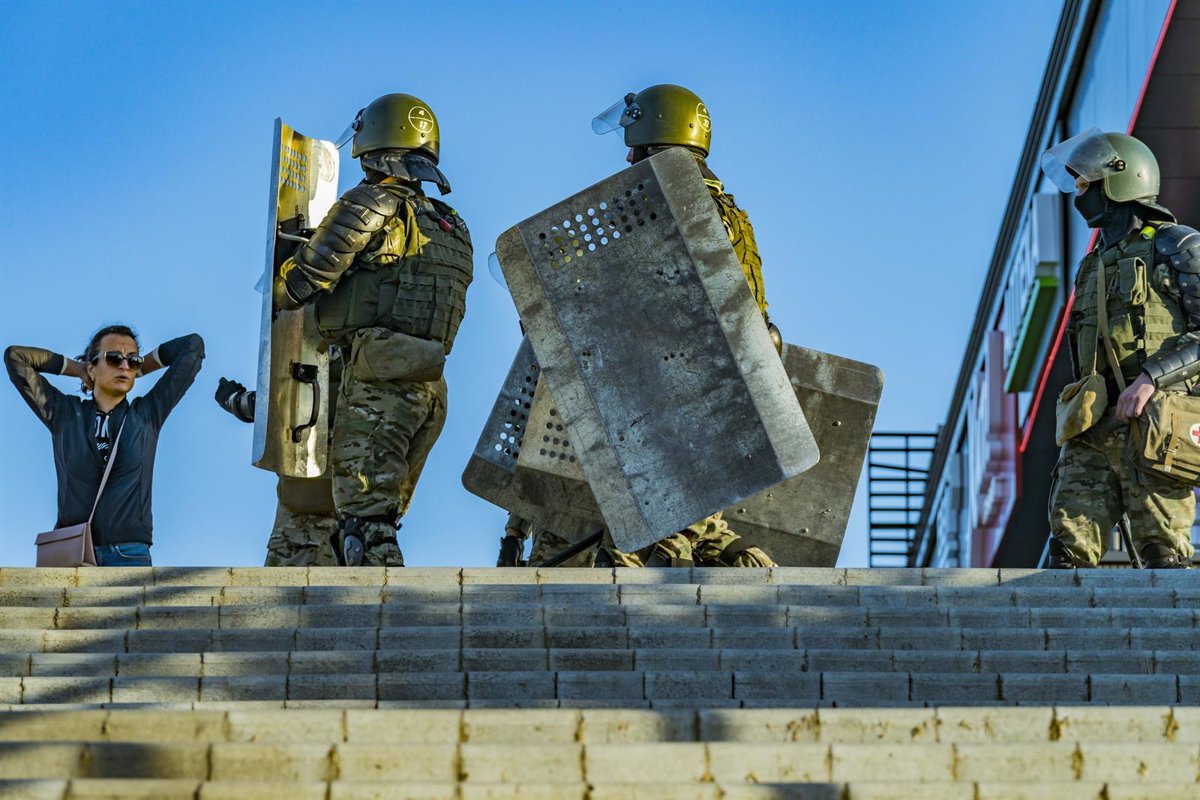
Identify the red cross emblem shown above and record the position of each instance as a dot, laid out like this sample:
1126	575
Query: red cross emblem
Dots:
1195	434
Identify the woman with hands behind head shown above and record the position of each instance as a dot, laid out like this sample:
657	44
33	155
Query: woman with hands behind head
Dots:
84	430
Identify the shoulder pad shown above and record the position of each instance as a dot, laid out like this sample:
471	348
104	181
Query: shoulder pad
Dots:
1180	246
373	197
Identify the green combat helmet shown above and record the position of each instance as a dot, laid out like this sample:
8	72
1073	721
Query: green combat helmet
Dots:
664	114
394	122
1124	165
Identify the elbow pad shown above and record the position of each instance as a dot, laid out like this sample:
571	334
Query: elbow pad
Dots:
344	233
1169	367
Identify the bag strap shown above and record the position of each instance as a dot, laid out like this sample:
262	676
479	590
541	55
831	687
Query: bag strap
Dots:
1102	312
1100	299
112	459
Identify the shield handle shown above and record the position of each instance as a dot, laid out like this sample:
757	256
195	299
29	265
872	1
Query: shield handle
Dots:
307	373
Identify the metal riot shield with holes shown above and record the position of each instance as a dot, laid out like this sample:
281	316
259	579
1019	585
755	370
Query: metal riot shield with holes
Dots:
800	522
640	317
291	421
558	499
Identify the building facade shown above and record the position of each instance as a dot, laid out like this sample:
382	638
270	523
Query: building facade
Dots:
1119	65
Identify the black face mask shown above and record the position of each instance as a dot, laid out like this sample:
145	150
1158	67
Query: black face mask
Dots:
1094	206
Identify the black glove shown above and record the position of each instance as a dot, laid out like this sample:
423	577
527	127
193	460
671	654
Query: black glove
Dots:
234	398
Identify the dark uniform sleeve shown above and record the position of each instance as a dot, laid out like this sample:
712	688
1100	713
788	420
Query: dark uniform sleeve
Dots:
351	222
182	359
1178	246
25	365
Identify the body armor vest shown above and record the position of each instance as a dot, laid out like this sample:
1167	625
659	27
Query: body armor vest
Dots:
1142	317
741	236
412	277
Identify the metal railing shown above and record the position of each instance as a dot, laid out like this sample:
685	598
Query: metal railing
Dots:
897	474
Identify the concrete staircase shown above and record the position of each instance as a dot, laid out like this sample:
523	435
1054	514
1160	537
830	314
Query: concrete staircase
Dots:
485	683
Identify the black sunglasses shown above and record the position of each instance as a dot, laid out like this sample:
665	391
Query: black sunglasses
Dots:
114	358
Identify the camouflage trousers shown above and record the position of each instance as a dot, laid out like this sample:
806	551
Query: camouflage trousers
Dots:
707	543
547	544
304	521
1095	483
382	434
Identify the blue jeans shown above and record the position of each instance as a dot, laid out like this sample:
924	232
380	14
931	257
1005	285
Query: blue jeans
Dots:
126	554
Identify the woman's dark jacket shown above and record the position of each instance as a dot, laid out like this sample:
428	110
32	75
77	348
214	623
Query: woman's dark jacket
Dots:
124	512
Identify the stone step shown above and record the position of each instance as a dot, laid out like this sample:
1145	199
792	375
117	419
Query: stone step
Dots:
114	789
661	689
459	659
599	638
429	577
944	725
574	610
1183	592
574	763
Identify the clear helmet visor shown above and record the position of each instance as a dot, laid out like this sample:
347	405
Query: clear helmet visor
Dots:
1088	155
497	273
620	114
351	129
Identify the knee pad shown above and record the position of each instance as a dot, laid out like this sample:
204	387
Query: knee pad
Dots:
355	535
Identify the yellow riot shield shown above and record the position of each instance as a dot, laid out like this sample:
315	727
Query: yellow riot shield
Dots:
291	420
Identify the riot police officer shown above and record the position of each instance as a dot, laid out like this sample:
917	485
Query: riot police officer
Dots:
388	271
300	536
659	117
1151	300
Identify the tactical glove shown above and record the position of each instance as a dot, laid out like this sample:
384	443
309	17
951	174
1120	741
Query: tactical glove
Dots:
234	398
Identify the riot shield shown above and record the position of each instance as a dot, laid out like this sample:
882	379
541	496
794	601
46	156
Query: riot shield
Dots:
640	317
291	422
512	465
800	522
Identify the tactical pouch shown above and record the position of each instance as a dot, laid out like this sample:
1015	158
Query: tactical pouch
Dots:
383	355
306	495
1080	406
1165	440
1132	281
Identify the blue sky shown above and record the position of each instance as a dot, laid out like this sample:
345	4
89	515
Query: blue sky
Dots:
873	144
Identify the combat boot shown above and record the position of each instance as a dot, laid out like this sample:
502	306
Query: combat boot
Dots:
1161	556
1060	557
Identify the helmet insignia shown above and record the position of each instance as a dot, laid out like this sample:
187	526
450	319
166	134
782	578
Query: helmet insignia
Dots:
421	119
